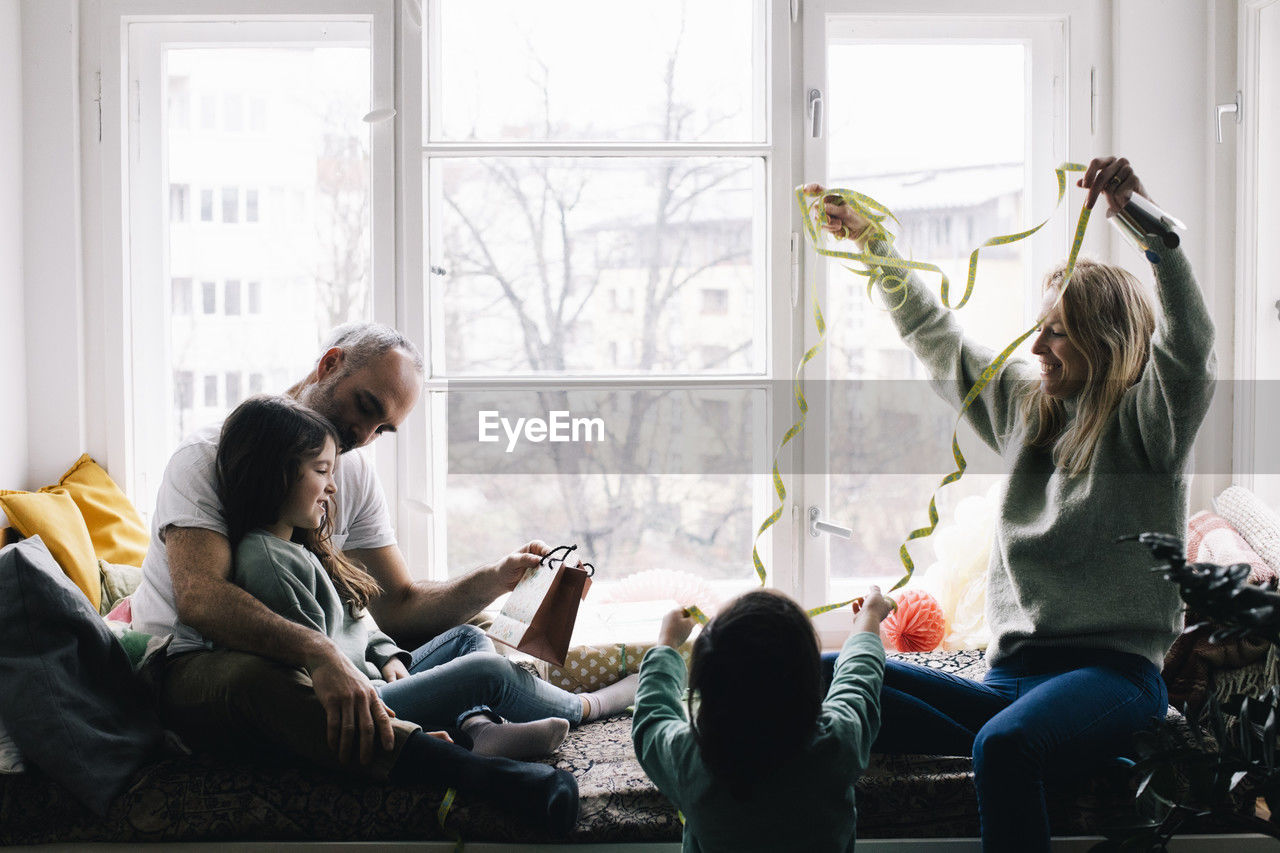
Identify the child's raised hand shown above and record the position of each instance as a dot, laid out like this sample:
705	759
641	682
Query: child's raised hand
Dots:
871	611
676	627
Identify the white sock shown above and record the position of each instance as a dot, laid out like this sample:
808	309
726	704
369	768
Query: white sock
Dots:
614	699
521	741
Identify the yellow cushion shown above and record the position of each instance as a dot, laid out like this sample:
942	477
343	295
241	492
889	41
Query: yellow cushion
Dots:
55	518
115	527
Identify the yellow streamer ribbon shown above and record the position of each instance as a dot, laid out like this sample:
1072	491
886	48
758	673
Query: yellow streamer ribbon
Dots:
698	615
890	274
443	813
797	391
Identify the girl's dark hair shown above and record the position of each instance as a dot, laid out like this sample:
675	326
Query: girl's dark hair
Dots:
261	451
757	676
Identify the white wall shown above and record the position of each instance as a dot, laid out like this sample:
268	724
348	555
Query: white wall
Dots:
13	378
51	244
1169	65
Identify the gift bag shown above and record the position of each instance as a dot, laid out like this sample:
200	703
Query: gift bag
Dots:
539	615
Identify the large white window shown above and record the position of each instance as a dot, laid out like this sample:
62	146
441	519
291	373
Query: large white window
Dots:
598	214
962	147
595	238
267	291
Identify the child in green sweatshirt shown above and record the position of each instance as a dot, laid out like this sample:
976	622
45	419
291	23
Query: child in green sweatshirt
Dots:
762	761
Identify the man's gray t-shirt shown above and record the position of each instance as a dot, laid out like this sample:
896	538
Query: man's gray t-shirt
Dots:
188	498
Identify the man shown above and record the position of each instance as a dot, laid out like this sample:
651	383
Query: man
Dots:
273	683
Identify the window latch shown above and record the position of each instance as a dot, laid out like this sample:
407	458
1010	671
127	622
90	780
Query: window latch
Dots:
1223	109
815	113
817	526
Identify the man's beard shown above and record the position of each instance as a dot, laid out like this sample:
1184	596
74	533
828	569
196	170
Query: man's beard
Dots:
319	397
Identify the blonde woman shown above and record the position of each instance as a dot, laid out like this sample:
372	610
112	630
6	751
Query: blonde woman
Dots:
1096	440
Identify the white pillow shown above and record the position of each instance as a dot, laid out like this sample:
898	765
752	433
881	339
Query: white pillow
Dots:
1256	522
10	758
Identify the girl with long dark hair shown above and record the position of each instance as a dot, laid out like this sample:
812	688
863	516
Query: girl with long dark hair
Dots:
275	478
765	759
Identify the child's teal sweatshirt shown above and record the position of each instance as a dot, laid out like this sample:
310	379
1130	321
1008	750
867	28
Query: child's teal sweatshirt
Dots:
807	804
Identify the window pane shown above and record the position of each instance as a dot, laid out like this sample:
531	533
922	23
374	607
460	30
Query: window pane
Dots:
183	389
257	115
233	112
643	479
179	102
230	204
179	199
231	299
890	435
316	154
181	296
662	70
233	389
642	240
208	107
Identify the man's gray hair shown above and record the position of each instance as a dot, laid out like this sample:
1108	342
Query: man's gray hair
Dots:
363	342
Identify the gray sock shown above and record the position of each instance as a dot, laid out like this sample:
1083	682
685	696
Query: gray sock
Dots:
611	700
521	741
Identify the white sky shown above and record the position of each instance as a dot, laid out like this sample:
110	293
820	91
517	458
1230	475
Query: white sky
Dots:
926	105
606	61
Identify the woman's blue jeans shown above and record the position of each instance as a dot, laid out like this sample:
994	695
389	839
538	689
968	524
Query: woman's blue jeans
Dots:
1042	715
458	674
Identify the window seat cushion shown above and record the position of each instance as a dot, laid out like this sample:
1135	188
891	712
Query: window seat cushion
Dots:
209	798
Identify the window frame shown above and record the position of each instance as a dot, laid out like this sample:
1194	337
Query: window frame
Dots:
123	166
423	539
400	249
1077	128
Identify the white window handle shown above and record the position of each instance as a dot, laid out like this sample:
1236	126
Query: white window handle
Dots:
1223	109
815	113
817	526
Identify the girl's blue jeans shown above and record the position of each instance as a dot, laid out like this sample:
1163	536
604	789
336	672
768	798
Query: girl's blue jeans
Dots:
1042	715
458	674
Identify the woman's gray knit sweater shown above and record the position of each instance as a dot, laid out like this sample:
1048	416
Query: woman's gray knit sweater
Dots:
1057	576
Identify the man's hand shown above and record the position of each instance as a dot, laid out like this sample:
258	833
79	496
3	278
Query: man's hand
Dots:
358	722
512	567
394	670
676	626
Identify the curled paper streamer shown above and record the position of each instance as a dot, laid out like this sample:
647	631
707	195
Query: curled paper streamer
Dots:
889	274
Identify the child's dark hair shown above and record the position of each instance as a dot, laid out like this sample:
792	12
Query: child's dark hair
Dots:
263	445
757	675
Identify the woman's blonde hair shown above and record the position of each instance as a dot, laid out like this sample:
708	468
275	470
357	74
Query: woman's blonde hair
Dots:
1110	318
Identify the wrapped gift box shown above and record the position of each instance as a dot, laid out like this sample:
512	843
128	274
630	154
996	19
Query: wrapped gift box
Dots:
590	667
